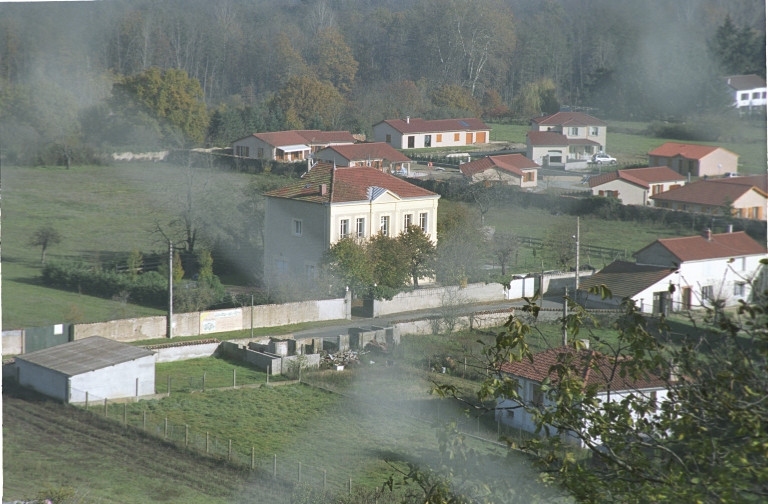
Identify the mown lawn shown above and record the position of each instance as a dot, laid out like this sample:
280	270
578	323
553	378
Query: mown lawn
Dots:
102	213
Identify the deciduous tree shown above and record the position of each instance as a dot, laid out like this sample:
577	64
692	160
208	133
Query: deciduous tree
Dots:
45	237
420	251
333	59
303	98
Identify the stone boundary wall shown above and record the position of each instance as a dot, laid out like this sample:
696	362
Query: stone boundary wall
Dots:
211	322
13	342
432	297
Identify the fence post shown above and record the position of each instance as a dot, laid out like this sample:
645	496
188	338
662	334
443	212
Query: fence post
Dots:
86	401
186	435
253	458
207	439
144	421
165	432
324	474
229	454
105	407
268	369
169	386
274	466
125	414
350	486
234	377
299	472
478	425
203	381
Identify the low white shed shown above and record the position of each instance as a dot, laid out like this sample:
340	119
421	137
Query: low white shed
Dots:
104	368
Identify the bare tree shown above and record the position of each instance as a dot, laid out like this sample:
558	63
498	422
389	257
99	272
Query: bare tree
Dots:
45	237
504	247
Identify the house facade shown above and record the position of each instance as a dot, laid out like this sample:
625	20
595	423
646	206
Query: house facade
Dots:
695	160
379	155
704	270
748	92
586	134
510	169
304	219
711	197
596	369
289	146
422	134
634	186
547	148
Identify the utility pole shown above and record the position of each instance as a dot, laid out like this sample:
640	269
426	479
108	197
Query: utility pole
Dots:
169	329
565	316
576	292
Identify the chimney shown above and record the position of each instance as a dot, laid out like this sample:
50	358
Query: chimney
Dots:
323	189
407	119
707	234
309	165
730	228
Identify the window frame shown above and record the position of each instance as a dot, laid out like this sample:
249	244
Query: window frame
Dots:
343	229
407	221
360	227
424	222
384	227
297	227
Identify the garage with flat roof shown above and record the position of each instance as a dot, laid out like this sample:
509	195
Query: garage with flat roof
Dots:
103	368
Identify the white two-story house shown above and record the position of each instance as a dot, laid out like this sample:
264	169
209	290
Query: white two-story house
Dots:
594	368
418	133
675	274
304	219
748	92
585	134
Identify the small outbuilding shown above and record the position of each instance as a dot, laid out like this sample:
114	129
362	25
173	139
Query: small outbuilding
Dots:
104	368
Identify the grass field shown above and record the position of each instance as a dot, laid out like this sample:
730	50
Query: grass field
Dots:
630	146
102	213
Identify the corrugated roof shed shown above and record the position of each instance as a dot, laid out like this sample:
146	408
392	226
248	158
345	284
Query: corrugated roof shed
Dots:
739	82
85	355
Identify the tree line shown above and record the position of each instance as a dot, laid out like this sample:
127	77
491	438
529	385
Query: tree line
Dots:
139	73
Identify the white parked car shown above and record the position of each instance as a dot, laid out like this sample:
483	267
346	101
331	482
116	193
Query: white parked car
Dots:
731	174
603	158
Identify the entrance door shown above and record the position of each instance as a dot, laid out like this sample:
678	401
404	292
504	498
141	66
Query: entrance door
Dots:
686	294
469	138
411	142
481	137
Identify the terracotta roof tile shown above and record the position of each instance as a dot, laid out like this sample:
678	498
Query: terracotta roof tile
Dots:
513	163
642	177
595	369
706	192
743	82
759	181
373	150
345	185
322	137
569	119
281	138
722	245
544	138
418	125
625	279
687	151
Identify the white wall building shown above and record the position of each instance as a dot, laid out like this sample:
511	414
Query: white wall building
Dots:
420	134
634	186
586	134
596	370
748	92
702	269
288	146
509	169
103	368
377	155
304	219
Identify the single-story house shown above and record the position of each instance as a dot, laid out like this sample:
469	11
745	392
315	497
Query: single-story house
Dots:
288	146
546	148
379	155
100	367
710	197
703	269
420	134
509	169
633	186
586	134
693	159
595	369
748	92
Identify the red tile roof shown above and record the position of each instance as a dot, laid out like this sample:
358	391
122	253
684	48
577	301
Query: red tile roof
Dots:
544	138
744	82
594	368
281	138
365	151
300	137
698	248
688	151
625	279
437	126
513	163
345	185
582	141
642	177
569	119
759	181
706	192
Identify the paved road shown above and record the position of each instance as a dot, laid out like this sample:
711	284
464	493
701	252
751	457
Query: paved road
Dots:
332	331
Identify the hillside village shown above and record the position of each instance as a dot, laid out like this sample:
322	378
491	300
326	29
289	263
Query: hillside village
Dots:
289	296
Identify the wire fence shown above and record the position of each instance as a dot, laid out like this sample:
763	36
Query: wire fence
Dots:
237	377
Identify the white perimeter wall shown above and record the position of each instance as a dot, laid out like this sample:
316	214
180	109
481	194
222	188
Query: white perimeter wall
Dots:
422	299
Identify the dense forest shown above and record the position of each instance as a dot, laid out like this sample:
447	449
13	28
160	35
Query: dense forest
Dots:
79	79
